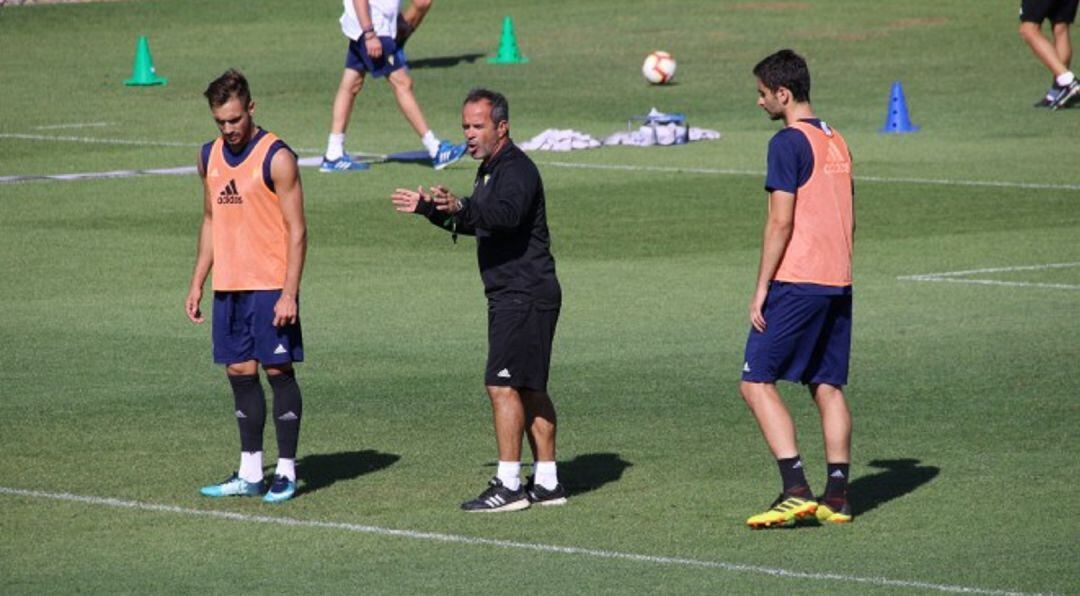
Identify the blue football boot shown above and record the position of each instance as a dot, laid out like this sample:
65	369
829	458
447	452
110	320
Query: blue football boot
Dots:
281	489
233	486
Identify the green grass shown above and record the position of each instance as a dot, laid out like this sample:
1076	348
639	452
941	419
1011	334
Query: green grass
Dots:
964	396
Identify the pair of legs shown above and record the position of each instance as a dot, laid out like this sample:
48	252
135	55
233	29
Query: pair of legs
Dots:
779	429
1056	55
523	411
797	501
250	413
352	81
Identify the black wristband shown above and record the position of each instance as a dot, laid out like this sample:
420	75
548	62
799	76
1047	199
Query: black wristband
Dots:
424	207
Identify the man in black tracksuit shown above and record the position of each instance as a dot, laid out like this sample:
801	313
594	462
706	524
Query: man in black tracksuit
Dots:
507	214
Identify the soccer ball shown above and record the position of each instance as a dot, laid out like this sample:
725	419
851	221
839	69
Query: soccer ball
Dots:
659	68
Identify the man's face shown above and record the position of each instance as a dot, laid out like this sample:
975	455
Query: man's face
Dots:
233	119
769	101
482	136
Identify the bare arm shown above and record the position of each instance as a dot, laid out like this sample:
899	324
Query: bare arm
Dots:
369	38
204	256
286	177
778	227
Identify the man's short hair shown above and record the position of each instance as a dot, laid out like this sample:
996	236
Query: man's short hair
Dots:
230	84
785	69
500	109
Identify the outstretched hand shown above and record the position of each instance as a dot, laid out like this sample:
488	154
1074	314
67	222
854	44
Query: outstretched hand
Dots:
408	201
445	200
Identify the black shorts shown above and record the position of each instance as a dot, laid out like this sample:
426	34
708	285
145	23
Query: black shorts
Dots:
1057	11
520	335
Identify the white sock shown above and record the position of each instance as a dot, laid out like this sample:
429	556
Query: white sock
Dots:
545	474
251	466
431	143
510	474
335	146
286	468
1065	79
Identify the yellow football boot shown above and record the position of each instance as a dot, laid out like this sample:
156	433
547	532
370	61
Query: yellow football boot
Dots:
783	512
828	515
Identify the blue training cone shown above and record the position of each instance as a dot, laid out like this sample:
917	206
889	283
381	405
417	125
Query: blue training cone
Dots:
897	120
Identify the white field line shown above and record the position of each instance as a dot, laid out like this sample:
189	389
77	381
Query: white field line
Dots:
562	164
503	544
882	179
961	276
74	125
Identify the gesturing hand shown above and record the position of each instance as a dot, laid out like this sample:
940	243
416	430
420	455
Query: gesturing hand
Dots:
445	200
408	201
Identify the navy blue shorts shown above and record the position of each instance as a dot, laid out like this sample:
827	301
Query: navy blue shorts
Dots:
1056	11
520	335
393	58
807	337
244	330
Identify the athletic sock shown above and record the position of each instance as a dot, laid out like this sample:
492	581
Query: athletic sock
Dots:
335	146
288	409
250	405
431	143
286	467
509	473
836	484
251	466
1065	79
544	474
791	472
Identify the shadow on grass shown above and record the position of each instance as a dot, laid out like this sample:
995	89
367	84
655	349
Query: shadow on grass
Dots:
588	472
320	470
897	478
444	61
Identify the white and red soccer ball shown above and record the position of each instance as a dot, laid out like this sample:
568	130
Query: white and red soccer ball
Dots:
659	68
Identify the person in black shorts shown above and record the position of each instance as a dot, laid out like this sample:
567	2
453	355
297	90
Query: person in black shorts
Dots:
507	214
1057	55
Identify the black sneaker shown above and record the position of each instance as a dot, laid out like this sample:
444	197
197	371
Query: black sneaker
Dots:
1065	95
498	498
538	495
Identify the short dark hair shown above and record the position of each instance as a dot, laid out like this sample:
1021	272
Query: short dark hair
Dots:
500	109
230	84
785	69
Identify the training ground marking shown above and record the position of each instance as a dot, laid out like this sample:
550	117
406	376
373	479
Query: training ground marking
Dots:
961	277
557	164
504	544
74	125
883	179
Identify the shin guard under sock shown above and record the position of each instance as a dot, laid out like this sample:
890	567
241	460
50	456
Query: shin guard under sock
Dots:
288	409
250	410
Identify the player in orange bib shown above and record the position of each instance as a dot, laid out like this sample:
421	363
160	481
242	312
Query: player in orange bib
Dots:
254	237
800	314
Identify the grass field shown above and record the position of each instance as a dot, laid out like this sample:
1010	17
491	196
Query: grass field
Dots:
963	387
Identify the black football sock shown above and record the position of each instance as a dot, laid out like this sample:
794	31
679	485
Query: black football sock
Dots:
250	410
288	409
836	484
791	472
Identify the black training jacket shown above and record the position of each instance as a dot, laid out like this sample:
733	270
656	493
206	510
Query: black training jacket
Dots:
507	214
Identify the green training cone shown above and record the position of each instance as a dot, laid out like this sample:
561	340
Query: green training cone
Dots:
143	72
508	46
